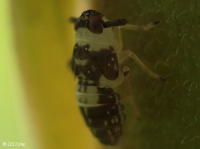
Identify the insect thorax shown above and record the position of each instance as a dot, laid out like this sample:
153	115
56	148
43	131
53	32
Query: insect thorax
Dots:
100	66
95	57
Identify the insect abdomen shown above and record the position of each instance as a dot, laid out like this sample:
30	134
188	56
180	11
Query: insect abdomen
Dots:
102	111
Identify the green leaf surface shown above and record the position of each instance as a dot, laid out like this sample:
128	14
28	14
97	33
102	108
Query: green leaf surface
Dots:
164	114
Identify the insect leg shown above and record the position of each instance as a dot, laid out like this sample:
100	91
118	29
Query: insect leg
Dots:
129	95
118	33
123	55
140	27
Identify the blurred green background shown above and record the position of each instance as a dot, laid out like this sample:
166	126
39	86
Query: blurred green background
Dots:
14	122
37	89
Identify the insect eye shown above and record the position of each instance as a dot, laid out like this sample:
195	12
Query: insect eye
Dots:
95	25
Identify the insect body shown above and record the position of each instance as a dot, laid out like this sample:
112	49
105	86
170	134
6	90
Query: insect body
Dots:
96	62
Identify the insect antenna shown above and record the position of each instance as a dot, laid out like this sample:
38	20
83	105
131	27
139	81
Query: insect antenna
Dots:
73	19
117	22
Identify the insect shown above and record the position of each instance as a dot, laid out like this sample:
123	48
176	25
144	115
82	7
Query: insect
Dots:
96	62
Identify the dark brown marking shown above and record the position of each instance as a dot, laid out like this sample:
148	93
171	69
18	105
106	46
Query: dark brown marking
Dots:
109	141
103	99
105	90
91	71
81	52
95	24
102	62
106	99
103	59
108	135
105	132
101	111
100	122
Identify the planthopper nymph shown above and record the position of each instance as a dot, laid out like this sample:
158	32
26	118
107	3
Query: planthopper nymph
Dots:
96	63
